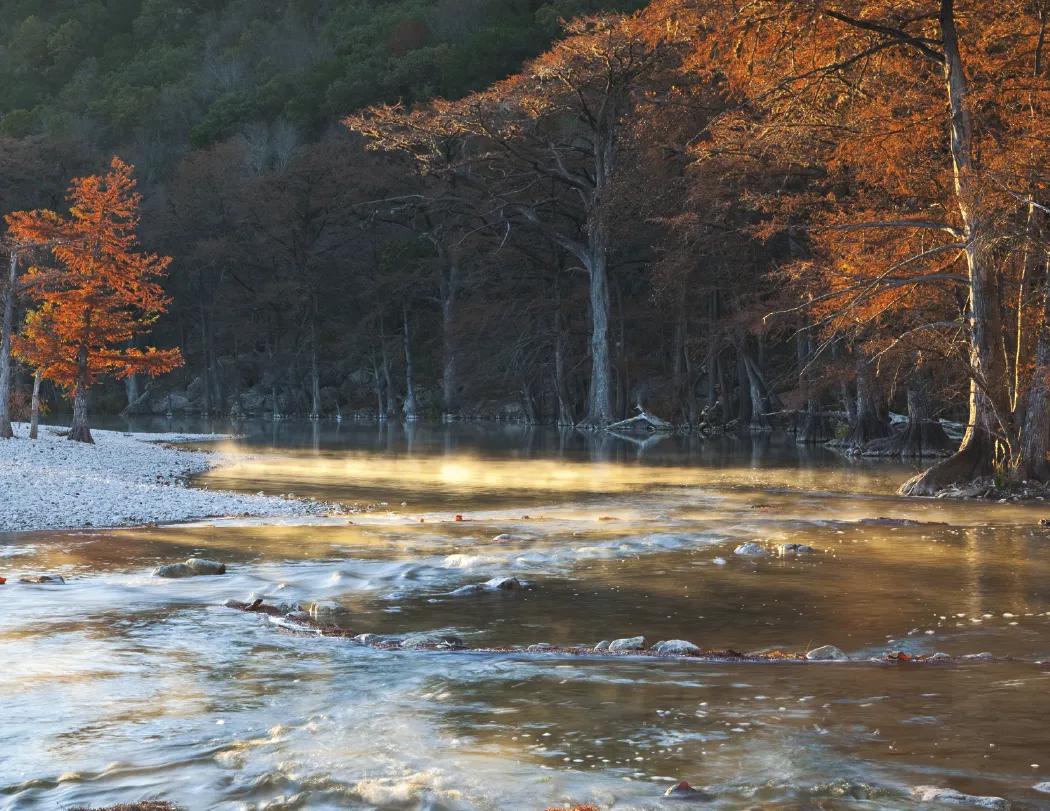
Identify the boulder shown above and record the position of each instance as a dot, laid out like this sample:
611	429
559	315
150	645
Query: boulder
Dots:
949	796
627	644
827	653
752	550
1042	787
602	646
789	549
684	791
43	579
191	568
676	647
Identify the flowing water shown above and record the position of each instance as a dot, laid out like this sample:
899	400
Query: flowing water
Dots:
118	686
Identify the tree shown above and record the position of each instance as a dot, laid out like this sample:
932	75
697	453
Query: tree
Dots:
924	129
546	146
101	292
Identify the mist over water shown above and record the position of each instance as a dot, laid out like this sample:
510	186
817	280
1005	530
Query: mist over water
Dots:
120	687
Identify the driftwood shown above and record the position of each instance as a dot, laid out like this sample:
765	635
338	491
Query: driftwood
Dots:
643	417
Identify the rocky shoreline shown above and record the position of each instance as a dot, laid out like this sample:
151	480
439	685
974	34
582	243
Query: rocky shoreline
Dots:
121	480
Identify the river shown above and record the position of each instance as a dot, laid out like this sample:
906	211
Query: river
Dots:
119	686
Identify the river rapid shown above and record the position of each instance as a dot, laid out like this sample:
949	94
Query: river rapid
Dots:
119	686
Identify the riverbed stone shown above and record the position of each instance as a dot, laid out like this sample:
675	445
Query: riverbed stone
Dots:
539	647
628	643
432	640
789	549
676	647
684	791
827	653
192	567
43	579
983	656
751	550
504	584
949	796
602	646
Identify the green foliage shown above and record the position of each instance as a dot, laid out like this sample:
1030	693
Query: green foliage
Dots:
113	69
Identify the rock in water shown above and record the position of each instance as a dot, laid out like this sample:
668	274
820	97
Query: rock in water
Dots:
684	791
191	568
44	579
504	584
539	647
752	550
827	653
676	647
1043	787
602	646
467	591
789	549
949	796
627	643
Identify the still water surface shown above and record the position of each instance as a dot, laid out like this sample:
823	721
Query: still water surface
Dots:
119	686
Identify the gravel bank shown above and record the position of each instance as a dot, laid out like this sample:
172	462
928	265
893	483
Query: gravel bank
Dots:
121	480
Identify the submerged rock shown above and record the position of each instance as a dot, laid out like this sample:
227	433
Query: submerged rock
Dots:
827	653
191	568
43	579
676	647
684	791
627	643
789	549
434	641
495	584
949	796
753	550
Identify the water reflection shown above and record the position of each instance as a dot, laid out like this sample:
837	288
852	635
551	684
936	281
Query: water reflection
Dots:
121	686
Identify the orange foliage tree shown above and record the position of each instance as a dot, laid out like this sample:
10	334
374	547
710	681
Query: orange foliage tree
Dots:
922	126
100	293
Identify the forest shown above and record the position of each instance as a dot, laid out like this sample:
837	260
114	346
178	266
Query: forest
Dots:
827	217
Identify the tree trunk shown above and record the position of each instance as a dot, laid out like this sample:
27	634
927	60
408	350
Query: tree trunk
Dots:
449	371
868	424
388	380
131	390
565	409
34	409
757	419
599	398
986	444
813	426
1032	462
922	436
410	409
79	430
6	328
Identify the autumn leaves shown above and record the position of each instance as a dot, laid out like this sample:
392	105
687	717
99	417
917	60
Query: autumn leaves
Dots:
95	292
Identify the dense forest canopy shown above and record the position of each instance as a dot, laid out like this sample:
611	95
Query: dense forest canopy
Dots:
807	214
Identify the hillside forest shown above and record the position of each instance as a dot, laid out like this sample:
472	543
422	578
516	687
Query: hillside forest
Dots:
827	216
